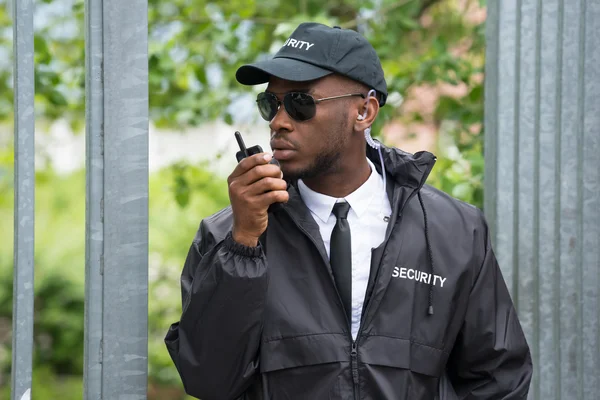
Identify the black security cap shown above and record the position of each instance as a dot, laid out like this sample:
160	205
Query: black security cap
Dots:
314	51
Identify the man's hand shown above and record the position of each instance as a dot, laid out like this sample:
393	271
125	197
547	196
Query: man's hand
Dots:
253	186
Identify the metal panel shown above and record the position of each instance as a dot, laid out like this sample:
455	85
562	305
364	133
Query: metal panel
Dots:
125	351
569	213
117	190
543	182
24	86
590	202
526	167
491	112
547	360
94	220
508	110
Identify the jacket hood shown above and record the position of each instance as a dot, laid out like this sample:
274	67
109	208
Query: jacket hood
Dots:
404	168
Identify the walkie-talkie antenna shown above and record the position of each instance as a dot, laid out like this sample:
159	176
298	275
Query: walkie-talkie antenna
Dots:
243	149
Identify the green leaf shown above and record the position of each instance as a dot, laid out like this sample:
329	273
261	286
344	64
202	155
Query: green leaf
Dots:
182	197
57	98
448	108
463	191
476	94
408	23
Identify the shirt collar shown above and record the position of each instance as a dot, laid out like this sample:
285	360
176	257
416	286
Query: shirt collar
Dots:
360	200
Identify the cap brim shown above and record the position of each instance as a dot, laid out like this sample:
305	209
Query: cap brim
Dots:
282	68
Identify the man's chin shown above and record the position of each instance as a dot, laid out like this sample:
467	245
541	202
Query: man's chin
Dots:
293	170
290	177
291	174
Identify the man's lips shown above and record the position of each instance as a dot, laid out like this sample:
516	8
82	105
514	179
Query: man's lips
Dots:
282	150
283	154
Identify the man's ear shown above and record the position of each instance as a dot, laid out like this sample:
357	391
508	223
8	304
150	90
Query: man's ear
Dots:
367	114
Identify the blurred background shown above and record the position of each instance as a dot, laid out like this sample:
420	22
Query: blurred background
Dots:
432	52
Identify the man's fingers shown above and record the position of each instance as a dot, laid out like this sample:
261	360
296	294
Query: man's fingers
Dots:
267	184
250	162
259	172
275	196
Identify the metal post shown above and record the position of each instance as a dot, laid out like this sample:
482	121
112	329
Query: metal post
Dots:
24	88
116	323
543	182
94	219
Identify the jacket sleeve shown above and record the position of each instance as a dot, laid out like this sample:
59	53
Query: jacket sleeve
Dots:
491	358
215	344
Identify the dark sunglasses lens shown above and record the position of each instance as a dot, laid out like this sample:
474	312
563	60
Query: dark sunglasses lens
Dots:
300	106
267	105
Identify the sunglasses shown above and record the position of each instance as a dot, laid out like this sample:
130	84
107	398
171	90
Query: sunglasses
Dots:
299	106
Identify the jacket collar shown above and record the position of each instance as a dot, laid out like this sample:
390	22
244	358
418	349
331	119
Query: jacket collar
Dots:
405	169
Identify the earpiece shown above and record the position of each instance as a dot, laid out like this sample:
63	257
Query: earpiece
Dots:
371	142
364	115
368	137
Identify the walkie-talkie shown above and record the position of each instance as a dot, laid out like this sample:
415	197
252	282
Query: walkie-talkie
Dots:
246	152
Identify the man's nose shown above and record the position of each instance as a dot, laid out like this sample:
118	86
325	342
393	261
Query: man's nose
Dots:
281	121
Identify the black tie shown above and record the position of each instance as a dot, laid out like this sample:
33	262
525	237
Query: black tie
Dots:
341	256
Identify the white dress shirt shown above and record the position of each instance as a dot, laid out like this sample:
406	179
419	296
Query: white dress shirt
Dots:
369	207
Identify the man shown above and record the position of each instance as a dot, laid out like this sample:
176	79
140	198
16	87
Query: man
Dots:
363	283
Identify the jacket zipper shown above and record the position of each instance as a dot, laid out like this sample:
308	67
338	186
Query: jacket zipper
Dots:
354	357
354	350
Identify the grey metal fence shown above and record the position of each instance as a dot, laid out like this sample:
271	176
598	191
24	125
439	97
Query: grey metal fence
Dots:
116	295
22	338
542	194
116	320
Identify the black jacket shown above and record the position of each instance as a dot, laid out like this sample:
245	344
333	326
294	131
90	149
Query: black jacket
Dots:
268	323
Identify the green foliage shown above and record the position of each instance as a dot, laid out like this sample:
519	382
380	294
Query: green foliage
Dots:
47	385
460	166
188	179
172	228
59	274
59	61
